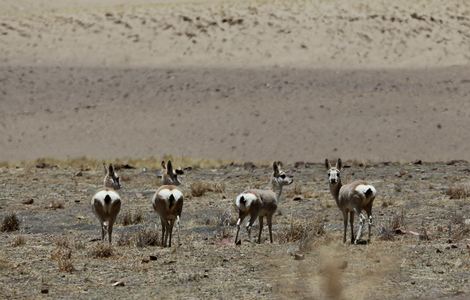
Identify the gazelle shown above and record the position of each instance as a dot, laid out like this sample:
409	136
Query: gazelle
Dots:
259	203
351	198
168	201
106	203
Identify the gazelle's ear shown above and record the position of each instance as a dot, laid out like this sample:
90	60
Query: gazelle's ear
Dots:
105	169
327	164
279	164
169	167
163	164
111	169
339	164
276	168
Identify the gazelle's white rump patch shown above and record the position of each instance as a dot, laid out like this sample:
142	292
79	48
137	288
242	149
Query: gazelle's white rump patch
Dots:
248	197
166	193
363	188
102	194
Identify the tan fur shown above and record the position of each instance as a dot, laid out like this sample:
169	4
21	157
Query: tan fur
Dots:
168	215
107	212
265	205
350	202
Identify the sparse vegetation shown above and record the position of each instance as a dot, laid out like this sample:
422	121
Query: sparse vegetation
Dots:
147	237
10	223
18	241
63	255
302	231
127	218
459	191
56	204
102	250
395	225
199	188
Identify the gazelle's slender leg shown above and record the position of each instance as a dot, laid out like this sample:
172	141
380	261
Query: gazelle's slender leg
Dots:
345	222
369	216
163	232
250	224
178	229
170	229
260	220
110	231
362	218
240	220
351	223
102	231
270	227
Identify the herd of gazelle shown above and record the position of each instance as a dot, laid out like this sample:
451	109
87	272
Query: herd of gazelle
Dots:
352	199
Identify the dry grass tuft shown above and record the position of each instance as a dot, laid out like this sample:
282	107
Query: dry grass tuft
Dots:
296	191
127	218
147	237
390	229
102	250
63	255
302	231
199	188
125	239
459	191
19	241
56	204
10	223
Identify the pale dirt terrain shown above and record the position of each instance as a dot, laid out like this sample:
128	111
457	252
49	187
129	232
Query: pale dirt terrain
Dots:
261	80
208	266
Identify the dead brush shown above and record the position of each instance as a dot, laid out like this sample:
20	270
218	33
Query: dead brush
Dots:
147	237
63	255
102	250
459	190
56	204
302	231
295	192
19	241
129	218
394	226
199	188
125	239
10	223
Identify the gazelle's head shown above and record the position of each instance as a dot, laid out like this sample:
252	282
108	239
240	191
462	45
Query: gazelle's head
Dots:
170	175
111	179
280	178
334	172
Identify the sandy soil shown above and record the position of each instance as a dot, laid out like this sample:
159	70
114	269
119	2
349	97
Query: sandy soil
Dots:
207	264
235	79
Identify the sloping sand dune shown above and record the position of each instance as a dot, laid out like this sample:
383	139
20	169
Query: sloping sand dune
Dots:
253	80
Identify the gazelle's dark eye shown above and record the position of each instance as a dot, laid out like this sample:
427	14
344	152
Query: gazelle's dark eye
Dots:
283	176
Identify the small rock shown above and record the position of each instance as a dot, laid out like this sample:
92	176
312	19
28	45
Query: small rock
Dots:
438	251
249	165
28	201
299	256
44	291
79	174
467	222
298	198
153	257
145	260
119	283
418	162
